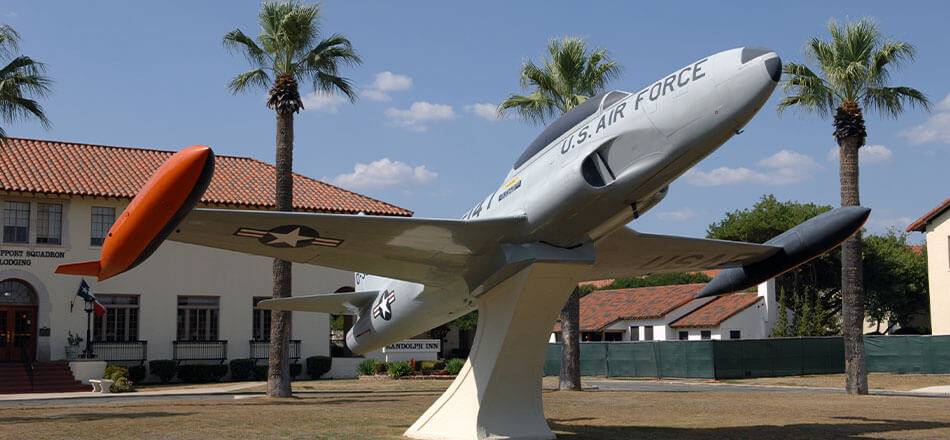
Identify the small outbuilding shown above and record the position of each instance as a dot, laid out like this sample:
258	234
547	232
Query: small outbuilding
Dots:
936	225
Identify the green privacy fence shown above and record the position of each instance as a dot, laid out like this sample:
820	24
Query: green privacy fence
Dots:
729	359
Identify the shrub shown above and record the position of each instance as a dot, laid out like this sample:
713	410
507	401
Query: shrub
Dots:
260	372
242	369
121	385
202	373
427	366
318	366
295	370
453	366
367	367
137	373
399	369
163	369
115	371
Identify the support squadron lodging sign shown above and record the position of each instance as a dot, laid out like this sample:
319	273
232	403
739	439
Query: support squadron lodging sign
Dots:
21	257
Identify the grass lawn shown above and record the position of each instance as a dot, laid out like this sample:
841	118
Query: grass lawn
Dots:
368	410
878	381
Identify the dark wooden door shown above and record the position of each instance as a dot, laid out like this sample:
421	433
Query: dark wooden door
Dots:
17	333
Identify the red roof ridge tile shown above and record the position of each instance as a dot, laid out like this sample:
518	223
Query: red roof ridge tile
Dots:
920	225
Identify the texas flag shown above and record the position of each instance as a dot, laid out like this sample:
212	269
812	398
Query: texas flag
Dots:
86	295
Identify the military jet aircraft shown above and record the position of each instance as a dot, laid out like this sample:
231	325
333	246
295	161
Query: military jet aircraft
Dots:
557	218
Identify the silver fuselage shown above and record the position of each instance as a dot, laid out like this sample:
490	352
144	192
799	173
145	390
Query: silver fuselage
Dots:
597	176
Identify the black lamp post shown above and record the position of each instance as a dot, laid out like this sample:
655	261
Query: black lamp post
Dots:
89	308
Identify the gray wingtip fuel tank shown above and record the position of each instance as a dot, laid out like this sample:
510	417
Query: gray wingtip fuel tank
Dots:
798	245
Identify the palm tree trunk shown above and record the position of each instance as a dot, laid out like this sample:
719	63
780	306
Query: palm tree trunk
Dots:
852	272
278	376
571	344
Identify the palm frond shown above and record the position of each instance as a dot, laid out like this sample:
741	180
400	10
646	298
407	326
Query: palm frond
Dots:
288	45
328	83
534	108
890	101
237	41
806	91
855	65
9	40
244	81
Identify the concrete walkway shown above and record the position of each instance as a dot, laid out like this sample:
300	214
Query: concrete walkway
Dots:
169	391
699	386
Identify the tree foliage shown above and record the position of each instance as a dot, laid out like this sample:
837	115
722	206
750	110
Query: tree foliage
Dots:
660	279
895	279
22	79
290	46
854	67
564	79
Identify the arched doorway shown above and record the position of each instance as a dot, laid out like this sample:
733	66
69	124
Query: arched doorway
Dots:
18	305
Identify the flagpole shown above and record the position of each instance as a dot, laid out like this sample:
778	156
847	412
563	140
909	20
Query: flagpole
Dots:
89	308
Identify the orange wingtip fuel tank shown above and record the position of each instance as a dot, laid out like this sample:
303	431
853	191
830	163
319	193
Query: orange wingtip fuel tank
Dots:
168	196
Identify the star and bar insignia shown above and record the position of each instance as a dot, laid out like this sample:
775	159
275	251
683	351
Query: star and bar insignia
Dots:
288	236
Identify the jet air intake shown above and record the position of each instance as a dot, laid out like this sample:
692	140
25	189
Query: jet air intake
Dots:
798	245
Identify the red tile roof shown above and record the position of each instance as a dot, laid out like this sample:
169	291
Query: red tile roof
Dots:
716	311
604	307
52	167
920	225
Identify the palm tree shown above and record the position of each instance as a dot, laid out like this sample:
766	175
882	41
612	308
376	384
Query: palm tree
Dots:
20	80
567	77
854	72
288	50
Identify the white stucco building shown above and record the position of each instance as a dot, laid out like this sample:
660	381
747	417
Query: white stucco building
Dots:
664	313
936	225
186	302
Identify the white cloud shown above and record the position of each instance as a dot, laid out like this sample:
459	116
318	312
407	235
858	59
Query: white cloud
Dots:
723	176
322	102
384	173
385	82
936	129
418	114
867	154
678	215
484	110
782	168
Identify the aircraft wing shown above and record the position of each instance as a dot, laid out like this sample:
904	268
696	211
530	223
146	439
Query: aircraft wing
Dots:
428	251
347	303
626	252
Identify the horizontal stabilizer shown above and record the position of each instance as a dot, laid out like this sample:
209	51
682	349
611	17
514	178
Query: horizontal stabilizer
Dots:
347	303
89	268
799	245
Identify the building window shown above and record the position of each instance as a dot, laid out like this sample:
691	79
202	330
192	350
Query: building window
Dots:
634	333
735	334
260	321
197	318
613	336
102	218
49	223
121	322
648	333
705	334
684	336
16	222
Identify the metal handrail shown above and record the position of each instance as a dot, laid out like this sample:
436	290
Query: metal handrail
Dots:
28	364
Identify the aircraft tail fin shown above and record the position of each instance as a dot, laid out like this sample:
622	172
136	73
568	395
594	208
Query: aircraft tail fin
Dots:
347	303
88	268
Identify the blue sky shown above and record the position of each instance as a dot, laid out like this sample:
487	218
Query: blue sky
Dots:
154	74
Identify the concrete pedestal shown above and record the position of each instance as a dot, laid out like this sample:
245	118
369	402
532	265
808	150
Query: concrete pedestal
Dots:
84	370
497	395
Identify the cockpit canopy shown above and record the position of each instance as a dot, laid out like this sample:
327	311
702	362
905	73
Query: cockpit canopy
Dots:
567	121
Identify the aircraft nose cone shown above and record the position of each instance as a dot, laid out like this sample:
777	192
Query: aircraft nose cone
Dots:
774	67
773	64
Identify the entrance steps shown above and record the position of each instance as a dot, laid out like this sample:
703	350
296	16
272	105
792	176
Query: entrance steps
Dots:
49	377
